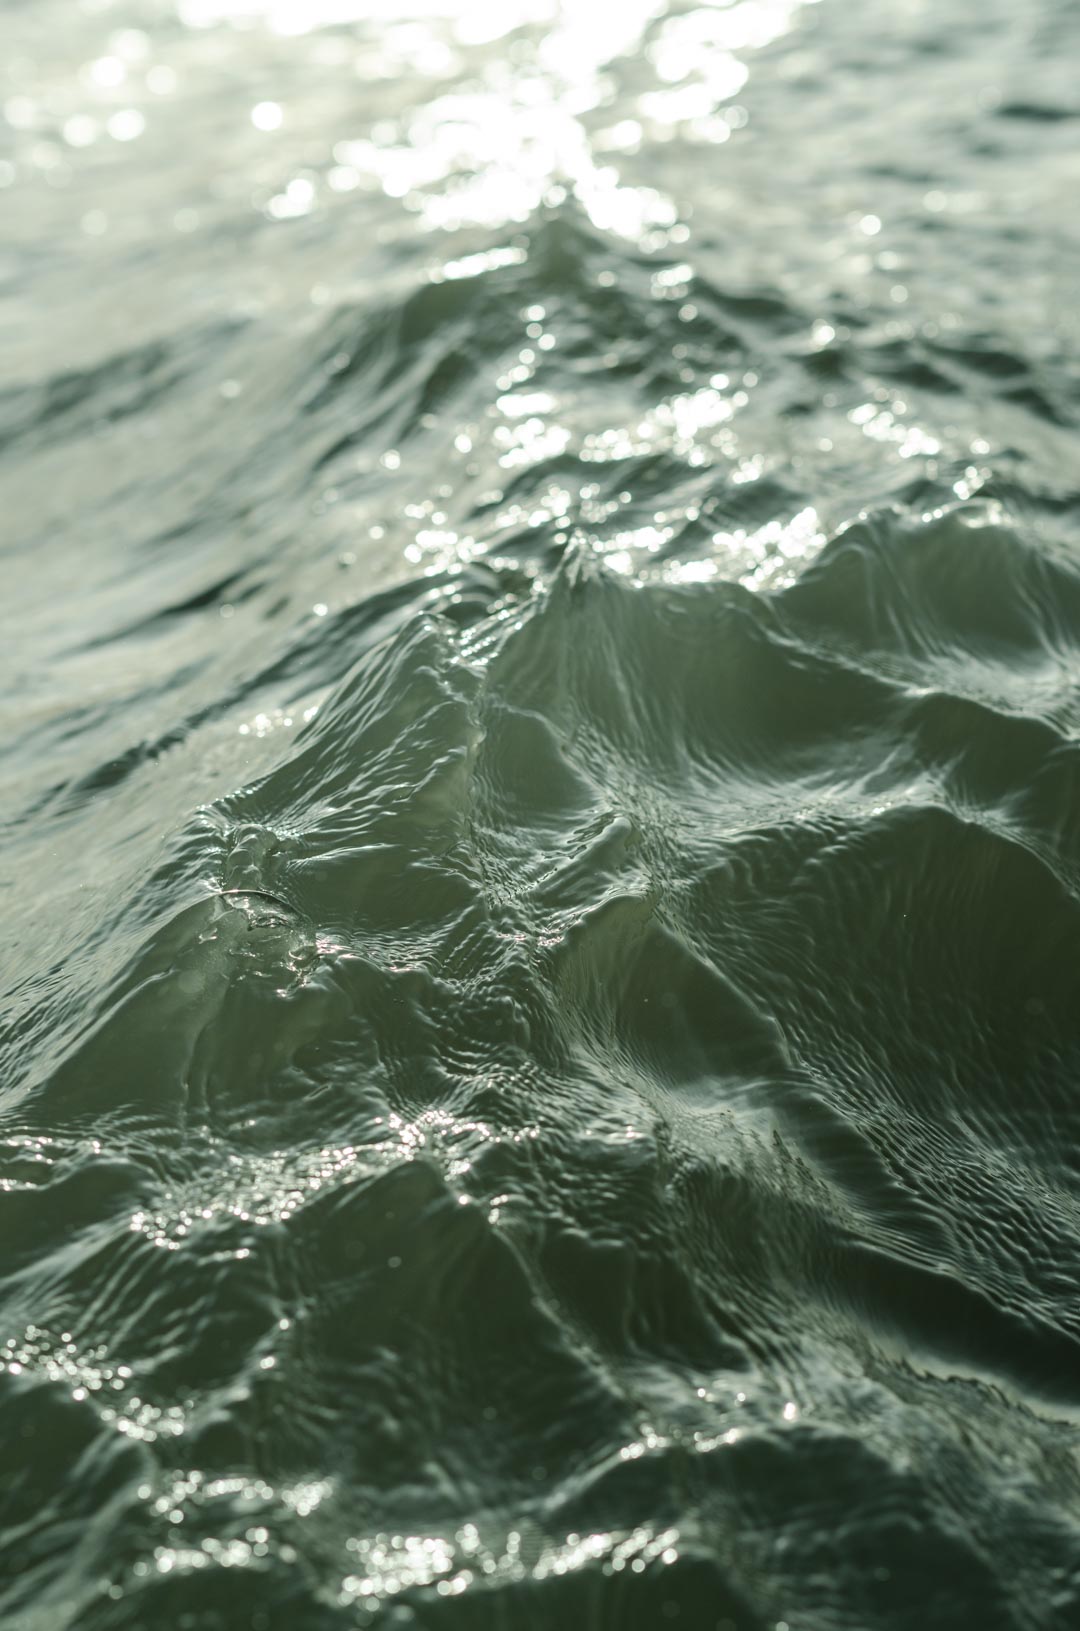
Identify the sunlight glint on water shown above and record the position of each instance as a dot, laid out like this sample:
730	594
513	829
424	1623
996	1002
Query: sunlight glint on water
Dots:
542	634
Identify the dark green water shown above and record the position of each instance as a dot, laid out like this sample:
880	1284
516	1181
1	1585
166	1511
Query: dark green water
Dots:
540	1054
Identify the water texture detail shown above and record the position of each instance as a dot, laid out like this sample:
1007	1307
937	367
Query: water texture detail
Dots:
540	1042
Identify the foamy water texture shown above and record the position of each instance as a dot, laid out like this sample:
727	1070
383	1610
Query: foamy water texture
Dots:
541	797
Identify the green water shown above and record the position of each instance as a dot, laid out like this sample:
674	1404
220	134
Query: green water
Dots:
540	1051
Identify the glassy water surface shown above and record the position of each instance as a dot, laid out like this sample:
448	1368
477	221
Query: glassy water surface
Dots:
541	638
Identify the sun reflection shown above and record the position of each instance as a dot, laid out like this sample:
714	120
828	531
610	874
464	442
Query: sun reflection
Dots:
486	155
773	556
885	423
108	1388
267	116
390	1564
487	150
297	198
269	1188
688	424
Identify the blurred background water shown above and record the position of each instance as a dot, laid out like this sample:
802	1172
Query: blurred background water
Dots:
541	639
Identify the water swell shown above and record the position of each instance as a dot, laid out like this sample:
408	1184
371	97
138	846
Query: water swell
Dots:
623	1027
542	1003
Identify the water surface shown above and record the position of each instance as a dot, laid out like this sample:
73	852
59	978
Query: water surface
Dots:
541	624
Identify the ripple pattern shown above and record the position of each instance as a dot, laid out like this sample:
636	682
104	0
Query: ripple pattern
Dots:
541	1016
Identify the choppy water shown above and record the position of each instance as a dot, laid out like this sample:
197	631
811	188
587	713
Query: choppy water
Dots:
541	628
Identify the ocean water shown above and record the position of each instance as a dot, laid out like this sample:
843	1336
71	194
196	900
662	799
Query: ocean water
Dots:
540	882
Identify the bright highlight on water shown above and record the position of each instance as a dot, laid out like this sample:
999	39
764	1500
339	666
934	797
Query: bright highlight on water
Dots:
541	626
